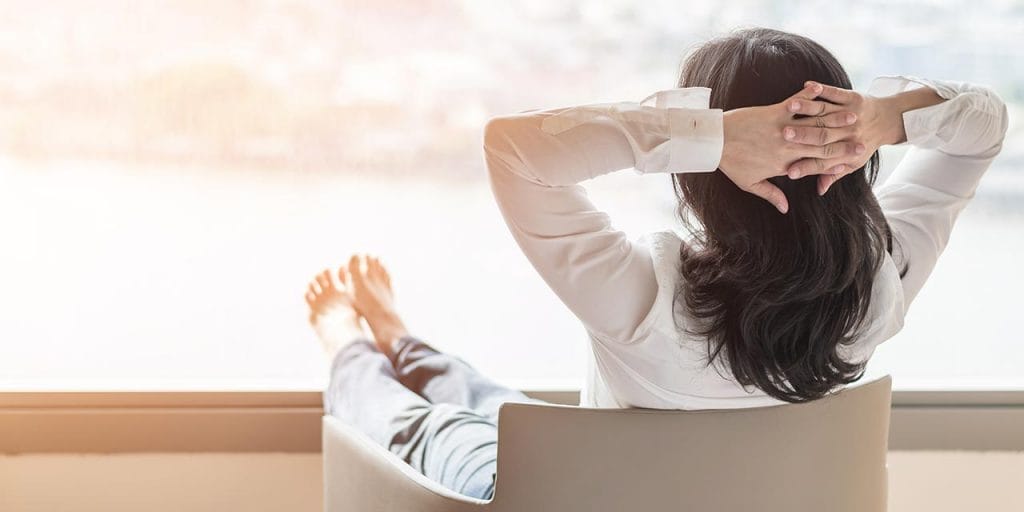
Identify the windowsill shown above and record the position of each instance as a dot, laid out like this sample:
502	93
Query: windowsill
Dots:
976	388
289	420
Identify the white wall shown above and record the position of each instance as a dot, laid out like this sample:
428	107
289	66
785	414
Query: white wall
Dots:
932	481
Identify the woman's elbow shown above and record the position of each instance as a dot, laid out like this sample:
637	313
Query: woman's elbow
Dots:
497	133
983	124
501	153
1000	119
507	140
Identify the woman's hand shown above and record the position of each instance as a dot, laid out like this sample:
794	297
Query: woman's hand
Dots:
878	124
759	145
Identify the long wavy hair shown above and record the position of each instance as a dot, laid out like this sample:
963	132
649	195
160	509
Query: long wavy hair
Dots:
776	295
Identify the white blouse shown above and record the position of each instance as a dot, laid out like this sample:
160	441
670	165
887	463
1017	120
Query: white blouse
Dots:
623	290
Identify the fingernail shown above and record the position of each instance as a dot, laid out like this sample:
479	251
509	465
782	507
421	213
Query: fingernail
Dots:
789	133
782	208
794	174
851	118
816	87
794	106
838	169
859	149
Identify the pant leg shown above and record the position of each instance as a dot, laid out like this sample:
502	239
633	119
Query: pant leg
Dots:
444	378
364	393
452	445
449	444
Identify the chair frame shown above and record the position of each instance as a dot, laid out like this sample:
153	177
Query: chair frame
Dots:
828	454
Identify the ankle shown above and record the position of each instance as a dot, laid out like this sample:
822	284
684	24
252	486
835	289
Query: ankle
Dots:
388	336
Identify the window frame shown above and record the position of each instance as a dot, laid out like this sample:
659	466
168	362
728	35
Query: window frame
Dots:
289	421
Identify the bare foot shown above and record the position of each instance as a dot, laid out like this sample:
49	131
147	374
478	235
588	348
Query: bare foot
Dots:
331	312
374	300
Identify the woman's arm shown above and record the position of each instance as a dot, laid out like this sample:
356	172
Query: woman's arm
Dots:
536	160
954	142
956	130
606	280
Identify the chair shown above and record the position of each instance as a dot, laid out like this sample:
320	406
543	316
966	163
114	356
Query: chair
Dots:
825	455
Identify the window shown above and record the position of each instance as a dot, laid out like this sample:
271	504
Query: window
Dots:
172	174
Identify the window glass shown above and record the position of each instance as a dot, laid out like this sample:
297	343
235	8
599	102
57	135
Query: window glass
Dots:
172	174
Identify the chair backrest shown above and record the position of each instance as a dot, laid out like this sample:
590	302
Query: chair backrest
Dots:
825	455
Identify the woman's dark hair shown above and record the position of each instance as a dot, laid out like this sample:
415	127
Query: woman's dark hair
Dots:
777	294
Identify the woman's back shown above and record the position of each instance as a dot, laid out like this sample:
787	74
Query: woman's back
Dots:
668	368
659	312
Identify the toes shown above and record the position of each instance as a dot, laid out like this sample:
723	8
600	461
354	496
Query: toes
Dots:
384	272
324	280
362	266
331	282
344	278
353	269
375	266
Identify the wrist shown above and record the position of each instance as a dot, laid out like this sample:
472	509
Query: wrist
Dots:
904	102
891	110
728	124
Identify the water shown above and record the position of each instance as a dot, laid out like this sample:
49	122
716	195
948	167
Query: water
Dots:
118	277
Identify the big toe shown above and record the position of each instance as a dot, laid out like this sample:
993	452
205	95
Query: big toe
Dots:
359	267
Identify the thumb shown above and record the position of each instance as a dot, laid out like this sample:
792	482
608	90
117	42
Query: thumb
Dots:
769	192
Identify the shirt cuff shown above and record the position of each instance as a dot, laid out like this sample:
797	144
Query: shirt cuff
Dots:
922	125
696	139
696	135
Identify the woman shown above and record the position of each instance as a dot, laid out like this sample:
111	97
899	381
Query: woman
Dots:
794	272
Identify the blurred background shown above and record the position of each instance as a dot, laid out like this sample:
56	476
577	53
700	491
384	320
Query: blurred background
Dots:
172	173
